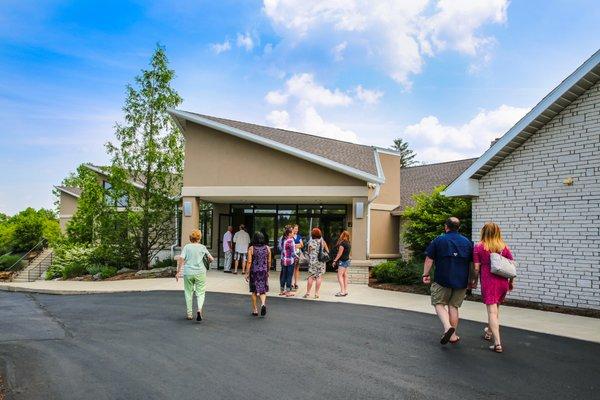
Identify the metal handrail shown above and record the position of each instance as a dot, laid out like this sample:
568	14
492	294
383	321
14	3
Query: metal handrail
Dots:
43	242
38	268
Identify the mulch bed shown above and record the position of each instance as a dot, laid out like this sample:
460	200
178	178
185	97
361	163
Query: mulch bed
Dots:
2	388
422	289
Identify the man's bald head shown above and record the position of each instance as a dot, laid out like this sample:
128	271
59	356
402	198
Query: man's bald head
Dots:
452	224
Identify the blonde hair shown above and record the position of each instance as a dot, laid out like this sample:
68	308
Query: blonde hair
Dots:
195	236
344	235
491	237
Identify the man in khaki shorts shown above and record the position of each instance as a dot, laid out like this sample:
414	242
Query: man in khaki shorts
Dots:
451	253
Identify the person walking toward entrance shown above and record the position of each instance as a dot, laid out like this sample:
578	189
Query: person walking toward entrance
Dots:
493	287
299	244
451	253
193	261
342	261
228	249
242	241
257	272
288	257
316	268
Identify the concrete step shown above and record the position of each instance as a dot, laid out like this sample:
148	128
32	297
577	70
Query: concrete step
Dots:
40	264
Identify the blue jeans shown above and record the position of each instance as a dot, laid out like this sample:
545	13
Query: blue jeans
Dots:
285	278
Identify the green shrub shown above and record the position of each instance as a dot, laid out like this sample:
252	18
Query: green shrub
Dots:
114	256
53	271
108	271
73	270
7	260
167	262
400	272
71	260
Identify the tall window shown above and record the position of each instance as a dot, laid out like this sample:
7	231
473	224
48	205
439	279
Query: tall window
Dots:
109	196
206	223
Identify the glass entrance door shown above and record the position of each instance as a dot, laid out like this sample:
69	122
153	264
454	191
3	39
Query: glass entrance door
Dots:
224	222
332	226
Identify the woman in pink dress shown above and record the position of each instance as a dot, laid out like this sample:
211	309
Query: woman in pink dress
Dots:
493	287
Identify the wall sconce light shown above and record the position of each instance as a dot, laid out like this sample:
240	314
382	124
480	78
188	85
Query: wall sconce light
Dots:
568	181
187	208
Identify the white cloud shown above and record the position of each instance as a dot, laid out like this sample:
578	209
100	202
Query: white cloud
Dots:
304	88
305	95
276	98
313	123
245	41
368	96
437	142
397	35
279	119
221	47
338	51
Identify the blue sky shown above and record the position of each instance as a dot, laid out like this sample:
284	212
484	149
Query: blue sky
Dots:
448	76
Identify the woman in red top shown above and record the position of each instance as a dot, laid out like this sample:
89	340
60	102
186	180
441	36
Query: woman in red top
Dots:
493	287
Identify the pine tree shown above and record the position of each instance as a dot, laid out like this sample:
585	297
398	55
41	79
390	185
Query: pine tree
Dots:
406	154
147	159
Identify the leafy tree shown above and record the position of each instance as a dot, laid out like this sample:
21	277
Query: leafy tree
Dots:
147	159
26	229
425	220
406	154
85	226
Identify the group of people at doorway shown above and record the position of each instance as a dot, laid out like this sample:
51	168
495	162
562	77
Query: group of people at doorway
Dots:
254	254
451	253
294	252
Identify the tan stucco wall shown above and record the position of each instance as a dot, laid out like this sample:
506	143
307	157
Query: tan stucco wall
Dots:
188	224
384	234
358	231
390	190
214	158
68	206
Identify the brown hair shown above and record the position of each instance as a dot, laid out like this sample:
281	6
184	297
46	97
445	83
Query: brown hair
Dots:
344	236
195	236
316	233
491	237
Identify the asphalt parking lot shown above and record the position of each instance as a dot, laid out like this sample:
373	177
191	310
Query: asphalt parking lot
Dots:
139	346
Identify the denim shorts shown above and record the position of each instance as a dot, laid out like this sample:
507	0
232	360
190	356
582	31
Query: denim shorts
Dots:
344	264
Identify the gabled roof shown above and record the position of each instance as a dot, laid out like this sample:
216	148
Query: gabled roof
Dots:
72	190
557	100
424	178
352	159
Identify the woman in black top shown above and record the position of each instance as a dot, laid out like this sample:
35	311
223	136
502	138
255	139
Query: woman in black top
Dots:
342	261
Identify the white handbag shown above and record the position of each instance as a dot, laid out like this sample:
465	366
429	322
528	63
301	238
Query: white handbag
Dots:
502	266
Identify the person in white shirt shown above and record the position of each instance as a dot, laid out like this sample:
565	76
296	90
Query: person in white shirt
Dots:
242	241
228	249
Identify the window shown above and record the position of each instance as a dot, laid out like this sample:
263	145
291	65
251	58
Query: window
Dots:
109	196
206	223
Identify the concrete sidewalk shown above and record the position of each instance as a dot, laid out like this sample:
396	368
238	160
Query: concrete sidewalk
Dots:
571	326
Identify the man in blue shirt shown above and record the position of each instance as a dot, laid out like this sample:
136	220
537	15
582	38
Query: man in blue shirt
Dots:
452	254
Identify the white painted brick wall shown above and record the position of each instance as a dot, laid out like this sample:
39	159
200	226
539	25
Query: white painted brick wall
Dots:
552	229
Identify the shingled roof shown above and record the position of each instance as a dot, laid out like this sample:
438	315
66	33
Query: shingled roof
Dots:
424	178
356	156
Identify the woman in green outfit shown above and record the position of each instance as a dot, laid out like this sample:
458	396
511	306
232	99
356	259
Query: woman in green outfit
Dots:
192	260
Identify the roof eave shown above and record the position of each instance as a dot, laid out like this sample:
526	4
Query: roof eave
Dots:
344	169
67	191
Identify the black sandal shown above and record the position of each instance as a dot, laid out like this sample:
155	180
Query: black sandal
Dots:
446	336
254	313
198	316
496	348
263	310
